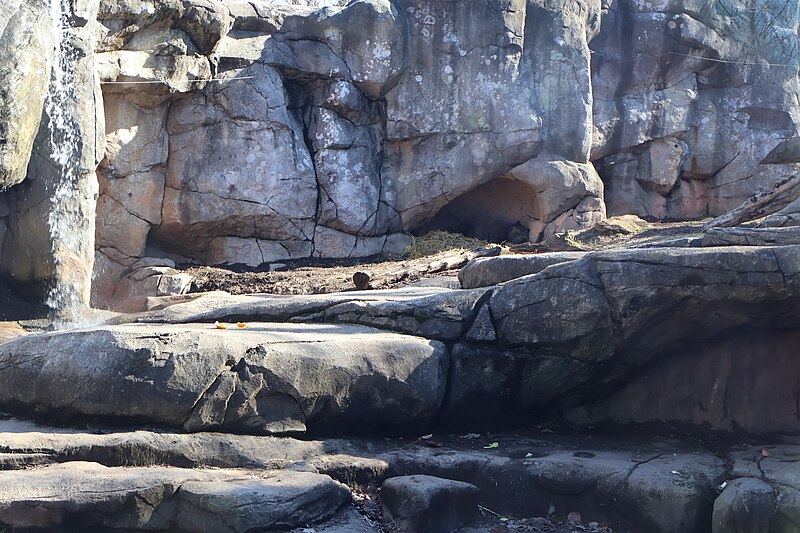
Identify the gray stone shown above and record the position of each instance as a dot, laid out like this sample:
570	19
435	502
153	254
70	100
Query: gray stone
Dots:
52	216
265	379
488	271
347	521
648	486
444	316
158	498
289	499
27	38
428	504
634	483
686	75
743	236
746	505
786	153
788	216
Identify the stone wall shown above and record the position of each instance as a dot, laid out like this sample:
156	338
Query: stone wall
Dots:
248	132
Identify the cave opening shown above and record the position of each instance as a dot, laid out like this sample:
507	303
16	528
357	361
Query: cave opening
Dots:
503	210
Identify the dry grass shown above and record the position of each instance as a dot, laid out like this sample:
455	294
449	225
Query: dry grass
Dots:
440	241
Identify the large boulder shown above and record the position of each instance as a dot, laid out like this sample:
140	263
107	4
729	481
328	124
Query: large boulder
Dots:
746	505
264	379
606	336
428	504
488	271
27	38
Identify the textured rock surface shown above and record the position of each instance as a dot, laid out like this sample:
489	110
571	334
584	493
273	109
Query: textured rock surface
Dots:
764	494
248	133
316	142
26	50
51	215
639	484
222	306
152	499
424	504
746	504
268	378
689	98
606	336
488	271
752	236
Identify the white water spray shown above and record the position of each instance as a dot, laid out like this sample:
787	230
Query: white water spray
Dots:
64	297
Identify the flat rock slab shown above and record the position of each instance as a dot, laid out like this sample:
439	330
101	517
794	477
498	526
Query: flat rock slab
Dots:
488	271
88	495
740	236
273	307
265	379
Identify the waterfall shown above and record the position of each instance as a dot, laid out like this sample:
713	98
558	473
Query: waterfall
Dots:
64	296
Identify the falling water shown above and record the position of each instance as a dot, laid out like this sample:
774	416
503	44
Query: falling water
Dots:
64	297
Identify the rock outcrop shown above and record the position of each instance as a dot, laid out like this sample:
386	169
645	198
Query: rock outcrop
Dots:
315	140
689	99
158	498
26	52
48	220
602	338
639	484
253	132
665	337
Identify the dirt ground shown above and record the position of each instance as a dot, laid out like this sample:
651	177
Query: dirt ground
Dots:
431	260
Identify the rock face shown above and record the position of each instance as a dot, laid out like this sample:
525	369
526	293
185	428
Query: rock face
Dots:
26	44
316	141
50	217
253	132
689	98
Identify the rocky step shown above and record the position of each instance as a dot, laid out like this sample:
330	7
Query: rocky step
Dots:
84	495
264	378
633	483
